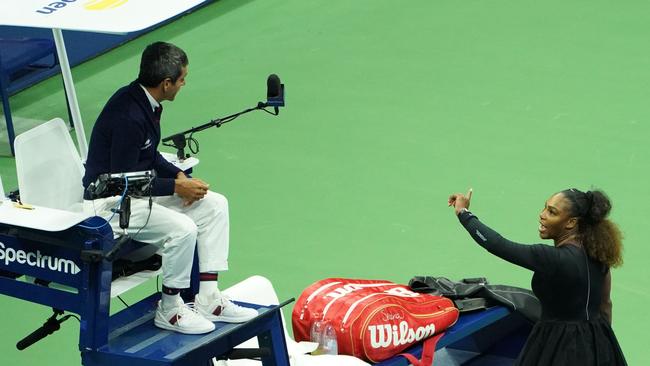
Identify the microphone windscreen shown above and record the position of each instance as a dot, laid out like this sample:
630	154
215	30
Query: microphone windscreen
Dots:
273	86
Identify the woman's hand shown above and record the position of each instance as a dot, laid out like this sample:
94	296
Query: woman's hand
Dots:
460	201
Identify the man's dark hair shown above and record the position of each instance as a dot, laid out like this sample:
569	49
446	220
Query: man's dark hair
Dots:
161	60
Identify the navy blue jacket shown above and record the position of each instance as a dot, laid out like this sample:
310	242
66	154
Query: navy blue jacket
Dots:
125	138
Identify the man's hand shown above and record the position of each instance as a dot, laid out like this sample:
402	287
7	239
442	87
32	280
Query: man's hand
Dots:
460	201
190	189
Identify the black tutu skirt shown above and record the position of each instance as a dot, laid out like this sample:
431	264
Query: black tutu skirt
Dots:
574	343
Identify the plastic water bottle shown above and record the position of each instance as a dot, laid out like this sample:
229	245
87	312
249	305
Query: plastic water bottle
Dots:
316	334
328	340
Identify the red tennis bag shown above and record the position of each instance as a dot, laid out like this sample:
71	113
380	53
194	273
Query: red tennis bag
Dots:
374	320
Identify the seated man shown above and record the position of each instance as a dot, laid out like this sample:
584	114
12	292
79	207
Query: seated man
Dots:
184	214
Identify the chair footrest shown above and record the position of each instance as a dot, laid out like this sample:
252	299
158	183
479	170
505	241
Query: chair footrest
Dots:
135	340
124	284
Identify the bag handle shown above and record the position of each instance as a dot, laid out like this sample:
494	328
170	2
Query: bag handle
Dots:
428	351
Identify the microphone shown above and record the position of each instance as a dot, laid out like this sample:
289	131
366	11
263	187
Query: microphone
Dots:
274	93
272	86
50	326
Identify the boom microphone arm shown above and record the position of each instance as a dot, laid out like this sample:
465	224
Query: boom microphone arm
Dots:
275	99
179	140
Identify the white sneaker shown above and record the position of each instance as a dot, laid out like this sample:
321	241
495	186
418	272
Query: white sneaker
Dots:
182	318
221	309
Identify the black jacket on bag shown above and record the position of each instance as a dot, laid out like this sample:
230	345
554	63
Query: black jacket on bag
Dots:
465	292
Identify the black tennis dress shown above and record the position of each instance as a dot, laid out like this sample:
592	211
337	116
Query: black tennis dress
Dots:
569	285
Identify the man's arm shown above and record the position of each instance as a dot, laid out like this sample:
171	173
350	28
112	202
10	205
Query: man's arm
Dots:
125	142
164	168
126	154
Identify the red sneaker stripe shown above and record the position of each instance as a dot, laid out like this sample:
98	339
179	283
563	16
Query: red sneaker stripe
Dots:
174	319
217	310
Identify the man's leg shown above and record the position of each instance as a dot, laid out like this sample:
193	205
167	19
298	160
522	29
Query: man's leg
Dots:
176	234
212	220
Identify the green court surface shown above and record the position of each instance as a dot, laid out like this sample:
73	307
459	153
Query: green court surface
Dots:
392	106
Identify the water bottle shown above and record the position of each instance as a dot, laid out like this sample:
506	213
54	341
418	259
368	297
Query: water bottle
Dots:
328	340
316	335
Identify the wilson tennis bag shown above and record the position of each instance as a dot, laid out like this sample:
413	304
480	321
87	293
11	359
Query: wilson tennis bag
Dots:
374	320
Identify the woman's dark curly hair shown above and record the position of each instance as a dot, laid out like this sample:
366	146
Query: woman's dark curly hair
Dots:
601	237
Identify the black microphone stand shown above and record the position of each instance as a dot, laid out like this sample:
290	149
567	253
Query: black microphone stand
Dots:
179	140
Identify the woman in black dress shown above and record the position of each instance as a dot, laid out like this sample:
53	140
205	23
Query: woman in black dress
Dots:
571	279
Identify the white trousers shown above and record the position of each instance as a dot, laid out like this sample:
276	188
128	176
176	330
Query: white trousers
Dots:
177	230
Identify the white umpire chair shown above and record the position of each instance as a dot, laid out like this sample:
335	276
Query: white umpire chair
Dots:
49	168
49	171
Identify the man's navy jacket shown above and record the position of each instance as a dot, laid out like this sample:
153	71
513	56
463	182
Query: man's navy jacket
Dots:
125	138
